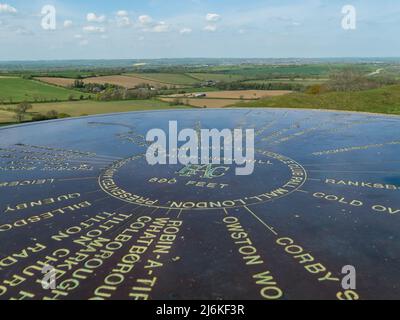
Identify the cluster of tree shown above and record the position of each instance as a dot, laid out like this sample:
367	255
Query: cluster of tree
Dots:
50	115
351	79
112	94
21	111
348	80
90	87
72	97
36	99
178	102
237	85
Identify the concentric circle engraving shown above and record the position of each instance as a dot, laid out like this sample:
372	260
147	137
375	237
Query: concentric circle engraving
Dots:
197	186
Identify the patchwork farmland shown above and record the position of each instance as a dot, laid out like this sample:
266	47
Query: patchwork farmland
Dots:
51	91
126	81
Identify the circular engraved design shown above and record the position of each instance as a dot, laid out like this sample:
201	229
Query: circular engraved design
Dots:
213	186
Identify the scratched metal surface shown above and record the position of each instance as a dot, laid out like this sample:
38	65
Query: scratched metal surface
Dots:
79	196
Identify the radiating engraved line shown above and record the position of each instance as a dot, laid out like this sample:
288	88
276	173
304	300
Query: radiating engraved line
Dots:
347	163
74	179
154	210
94	123
117	229
88	161
356	172
271	138
262	222
226	212
90	192
303	191
101	199
179	215
106	156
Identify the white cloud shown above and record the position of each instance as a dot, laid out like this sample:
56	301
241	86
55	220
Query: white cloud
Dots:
122	13
213	17
93	29
145	20
160	27
78	36
92	17
6	8
210	28
185	31
123	22
148	24
67	23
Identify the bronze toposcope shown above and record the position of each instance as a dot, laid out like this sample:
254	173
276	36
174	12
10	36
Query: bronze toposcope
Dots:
83	215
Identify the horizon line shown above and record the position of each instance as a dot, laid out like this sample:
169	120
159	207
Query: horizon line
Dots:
199	58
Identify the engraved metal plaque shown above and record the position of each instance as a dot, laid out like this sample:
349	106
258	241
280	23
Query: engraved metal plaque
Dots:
82	211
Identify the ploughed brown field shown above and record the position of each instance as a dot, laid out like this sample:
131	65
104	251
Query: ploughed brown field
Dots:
128	82
205	103
237	94
62	82
222	99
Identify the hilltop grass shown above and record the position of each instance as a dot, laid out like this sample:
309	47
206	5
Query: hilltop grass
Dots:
383	100
14	90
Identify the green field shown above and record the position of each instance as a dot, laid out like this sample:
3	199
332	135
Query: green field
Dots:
305	82
284	71
382	100
216	77
167	78
17	89
80	108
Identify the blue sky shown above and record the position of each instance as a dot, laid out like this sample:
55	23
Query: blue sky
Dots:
96	29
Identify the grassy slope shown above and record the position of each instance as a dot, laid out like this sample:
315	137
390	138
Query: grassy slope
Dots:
79	108
27	90
383	100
